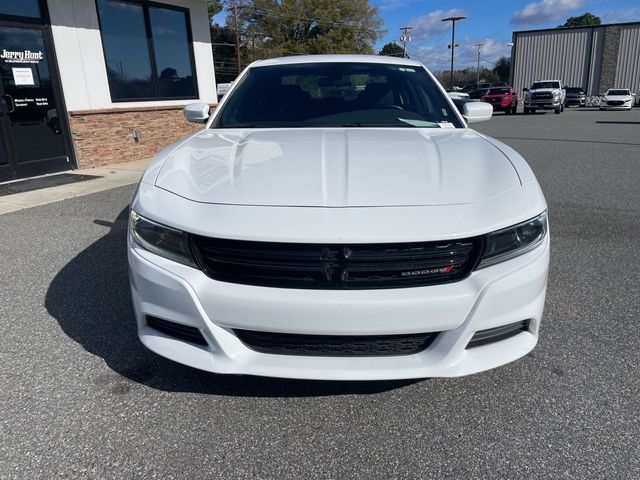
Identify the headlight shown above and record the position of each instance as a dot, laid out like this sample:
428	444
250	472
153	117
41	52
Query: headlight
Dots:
161	240
513	241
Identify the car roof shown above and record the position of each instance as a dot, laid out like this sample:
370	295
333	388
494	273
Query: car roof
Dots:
297	59
553	80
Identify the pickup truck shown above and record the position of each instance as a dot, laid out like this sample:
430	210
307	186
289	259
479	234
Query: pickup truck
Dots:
544	95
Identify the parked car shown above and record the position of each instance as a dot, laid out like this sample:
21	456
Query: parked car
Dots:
474	86
544	95
502	99
575	96
480	86
617	99
478	94
222	89
457	95
338	219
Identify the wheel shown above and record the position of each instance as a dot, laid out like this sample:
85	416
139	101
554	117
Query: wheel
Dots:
514	109
601	109
562	108
533	111
557	110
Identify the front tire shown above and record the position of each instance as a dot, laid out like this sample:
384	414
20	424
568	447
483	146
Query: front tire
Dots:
557	110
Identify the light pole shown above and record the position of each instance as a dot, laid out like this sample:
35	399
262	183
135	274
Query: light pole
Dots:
478	69
453	21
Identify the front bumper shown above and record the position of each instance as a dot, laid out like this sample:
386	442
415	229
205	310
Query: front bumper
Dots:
604	106
543	104
502	294
576	101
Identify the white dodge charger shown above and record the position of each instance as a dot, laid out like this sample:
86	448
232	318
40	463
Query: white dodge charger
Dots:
337	219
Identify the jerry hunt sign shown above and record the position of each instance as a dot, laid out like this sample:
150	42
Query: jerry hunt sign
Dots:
24	56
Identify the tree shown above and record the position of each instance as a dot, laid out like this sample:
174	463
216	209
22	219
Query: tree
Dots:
582	21
502	68
467	76
271	28
223	44
214	7
391	49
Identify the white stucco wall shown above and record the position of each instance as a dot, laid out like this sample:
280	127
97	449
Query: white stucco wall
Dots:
78	46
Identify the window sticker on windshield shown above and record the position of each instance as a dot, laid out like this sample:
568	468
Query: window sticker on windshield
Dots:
419	123
446	125
407	69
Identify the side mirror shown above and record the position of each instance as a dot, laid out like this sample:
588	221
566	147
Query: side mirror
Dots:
196	112
525	89
475	112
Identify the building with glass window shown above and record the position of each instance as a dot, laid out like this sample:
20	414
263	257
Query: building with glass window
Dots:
91	82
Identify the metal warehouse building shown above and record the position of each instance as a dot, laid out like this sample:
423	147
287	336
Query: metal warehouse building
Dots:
595	58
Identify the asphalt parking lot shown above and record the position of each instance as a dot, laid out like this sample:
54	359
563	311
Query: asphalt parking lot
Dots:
81	398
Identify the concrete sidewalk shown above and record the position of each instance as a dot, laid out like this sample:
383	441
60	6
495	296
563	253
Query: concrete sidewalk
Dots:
110	176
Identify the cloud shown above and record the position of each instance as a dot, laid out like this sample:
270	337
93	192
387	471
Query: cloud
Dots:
431	24
545	11
390	5
621	16
438	57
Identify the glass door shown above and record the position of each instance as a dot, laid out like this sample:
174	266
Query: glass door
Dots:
31	130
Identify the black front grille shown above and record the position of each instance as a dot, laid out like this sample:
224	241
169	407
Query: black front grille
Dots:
332	266
541	95
336	345
615	103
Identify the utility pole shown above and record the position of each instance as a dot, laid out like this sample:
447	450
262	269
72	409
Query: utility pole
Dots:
253	46
453	21
235	24
478	69
404	38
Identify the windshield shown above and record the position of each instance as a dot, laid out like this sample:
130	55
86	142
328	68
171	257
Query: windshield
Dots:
618	92
498	91
336	95
575	90
538	85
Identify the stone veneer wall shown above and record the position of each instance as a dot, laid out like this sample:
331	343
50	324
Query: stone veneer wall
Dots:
102	137
610	58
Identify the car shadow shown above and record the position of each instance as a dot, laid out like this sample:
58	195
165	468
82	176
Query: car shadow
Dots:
615	122
91	301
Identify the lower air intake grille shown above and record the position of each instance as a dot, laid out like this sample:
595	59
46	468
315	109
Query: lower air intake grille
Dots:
490	335
176	330
336	345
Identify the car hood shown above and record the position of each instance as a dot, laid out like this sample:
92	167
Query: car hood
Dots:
617	97
543	90
352	167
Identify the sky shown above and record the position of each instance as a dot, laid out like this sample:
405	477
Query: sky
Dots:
488	21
